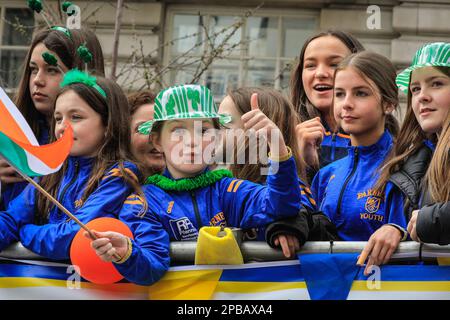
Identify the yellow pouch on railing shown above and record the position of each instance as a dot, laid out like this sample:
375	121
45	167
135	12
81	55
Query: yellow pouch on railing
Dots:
214	249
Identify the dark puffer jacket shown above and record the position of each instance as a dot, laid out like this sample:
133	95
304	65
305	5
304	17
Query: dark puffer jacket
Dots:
433	221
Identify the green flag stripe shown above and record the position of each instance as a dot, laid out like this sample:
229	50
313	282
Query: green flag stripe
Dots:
16	155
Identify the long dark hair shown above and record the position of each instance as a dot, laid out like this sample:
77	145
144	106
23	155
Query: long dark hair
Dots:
302	105
65	47
115	148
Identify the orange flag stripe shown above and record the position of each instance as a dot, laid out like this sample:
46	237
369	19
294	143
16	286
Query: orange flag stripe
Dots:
52	154
10	127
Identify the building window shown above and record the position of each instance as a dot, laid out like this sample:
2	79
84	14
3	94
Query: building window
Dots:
257	54
16	29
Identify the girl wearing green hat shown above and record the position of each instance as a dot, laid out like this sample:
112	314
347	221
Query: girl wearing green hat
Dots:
419	165
188	196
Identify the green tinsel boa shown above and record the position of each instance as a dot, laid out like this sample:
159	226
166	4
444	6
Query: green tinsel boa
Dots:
188	184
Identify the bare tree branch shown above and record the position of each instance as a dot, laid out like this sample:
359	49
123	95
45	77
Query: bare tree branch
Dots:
117	25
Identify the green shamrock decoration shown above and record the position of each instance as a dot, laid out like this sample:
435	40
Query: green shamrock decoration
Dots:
66	6
170	106
194	96
84	53
35	5
50	59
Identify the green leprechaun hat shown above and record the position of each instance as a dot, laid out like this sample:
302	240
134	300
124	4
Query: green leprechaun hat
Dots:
435	54
184	102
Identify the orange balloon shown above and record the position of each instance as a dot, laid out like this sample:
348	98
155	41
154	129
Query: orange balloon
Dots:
91	267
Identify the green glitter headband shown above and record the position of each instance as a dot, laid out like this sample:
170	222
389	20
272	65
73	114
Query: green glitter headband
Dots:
63	30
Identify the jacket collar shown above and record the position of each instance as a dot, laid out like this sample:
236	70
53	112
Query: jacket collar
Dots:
81	162
383	145
430	144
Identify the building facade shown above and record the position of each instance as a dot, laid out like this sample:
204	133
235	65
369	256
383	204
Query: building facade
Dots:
170	42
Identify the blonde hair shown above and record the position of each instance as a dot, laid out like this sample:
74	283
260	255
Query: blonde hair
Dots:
409	141
438	174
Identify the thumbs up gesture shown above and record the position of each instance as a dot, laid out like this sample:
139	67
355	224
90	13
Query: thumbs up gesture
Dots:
257	121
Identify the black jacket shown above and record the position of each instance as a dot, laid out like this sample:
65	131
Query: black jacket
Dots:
433	222
311	226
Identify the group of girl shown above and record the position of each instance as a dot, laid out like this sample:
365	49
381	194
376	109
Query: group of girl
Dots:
335	152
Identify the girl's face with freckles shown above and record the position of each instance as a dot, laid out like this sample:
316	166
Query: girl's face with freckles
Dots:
430	98
187	145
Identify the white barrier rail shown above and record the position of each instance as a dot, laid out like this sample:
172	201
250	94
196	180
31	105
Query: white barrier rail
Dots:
183	252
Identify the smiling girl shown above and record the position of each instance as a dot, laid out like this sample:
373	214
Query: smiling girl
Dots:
419	165
312	97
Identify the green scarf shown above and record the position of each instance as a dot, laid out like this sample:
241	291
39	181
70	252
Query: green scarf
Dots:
188	184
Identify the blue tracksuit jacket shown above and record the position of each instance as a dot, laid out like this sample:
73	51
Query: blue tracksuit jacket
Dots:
344	191
178	215
53	239
333	147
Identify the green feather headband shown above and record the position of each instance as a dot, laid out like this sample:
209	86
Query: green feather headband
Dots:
76	76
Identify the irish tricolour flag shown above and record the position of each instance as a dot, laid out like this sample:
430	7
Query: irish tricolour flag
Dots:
20	147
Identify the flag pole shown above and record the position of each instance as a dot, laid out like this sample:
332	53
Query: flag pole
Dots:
59	205
56	202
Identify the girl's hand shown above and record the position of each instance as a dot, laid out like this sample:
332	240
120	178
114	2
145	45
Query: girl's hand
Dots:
256	120
412	226
309	136
8	174
380	247
107	244
289	244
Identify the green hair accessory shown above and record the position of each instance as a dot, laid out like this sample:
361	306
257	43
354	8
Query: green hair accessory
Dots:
84	53
63	30
188	184
66	6
50	59
77	76
35	5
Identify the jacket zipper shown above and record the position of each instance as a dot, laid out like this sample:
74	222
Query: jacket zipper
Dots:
355	164
72	181
333	146
197	213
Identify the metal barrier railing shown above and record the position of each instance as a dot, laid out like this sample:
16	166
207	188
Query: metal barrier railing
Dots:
183	252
